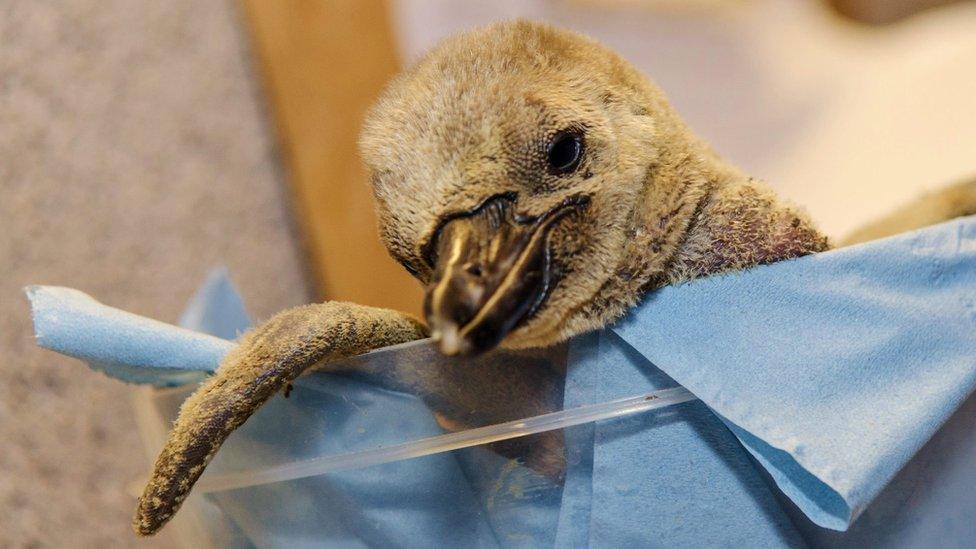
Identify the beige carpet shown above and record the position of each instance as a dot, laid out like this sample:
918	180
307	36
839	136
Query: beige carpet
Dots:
134	156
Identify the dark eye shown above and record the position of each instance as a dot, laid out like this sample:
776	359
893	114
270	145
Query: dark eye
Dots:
565	152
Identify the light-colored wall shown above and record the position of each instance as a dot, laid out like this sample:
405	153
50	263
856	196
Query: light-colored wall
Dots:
846	120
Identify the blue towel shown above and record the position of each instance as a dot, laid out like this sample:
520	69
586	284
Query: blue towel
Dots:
821	380
677	476
834	369
129	347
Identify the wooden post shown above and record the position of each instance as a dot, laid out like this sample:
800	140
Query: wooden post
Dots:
323	63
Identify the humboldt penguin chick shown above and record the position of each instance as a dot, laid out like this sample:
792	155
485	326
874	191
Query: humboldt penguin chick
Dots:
538	186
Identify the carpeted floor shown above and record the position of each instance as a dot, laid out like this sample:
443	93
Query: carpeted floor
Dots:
134	156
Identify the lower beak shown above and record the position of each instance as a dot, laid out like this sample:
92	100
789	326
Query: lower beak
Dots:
493	271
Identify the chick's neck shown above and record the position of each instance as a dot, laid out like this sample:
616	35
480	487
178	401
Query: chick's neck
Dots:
742	224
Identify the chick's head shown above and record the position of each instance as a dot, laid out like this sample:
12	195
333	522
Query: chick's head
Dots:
510	168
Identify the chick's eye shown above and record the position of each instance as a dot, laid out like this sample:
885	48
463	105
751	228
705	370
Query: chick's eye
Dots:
565	152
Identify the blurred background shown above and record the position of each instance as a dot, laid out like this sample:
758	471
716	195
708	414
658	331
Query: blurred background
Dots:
142	143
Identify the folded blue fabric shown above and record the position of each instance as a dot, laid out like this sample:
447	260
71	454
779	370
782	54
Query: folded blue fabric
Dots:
129	347
675	477
216	309
830	371
833	369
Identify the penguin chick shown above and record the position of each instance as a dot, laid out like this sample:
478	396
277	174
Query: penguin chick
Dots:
538	186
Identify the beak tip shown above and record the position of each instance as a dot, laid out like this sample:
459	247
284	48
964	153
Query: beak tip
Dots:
449	340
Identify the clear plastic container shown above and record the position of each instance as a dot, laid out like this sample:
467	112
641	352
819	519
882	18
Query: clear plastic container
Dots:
477	457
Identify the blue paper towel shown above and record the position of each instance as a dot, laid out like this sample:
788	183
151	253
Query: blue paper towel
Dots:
831	370
675	478
217	308
123	345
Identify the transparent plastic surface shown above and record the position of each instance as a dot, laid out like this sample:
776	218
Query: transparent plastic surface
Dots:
386	410
392	396
471	497
404	427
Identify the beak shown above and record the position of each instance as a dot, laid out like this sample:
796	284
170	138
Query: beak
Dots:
492	272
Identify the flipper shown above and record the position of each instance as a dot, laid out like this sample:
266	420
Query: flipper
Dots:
292	343
957	200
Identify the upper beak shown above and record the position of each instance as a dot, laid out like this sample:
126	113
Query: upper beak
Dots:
492	271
